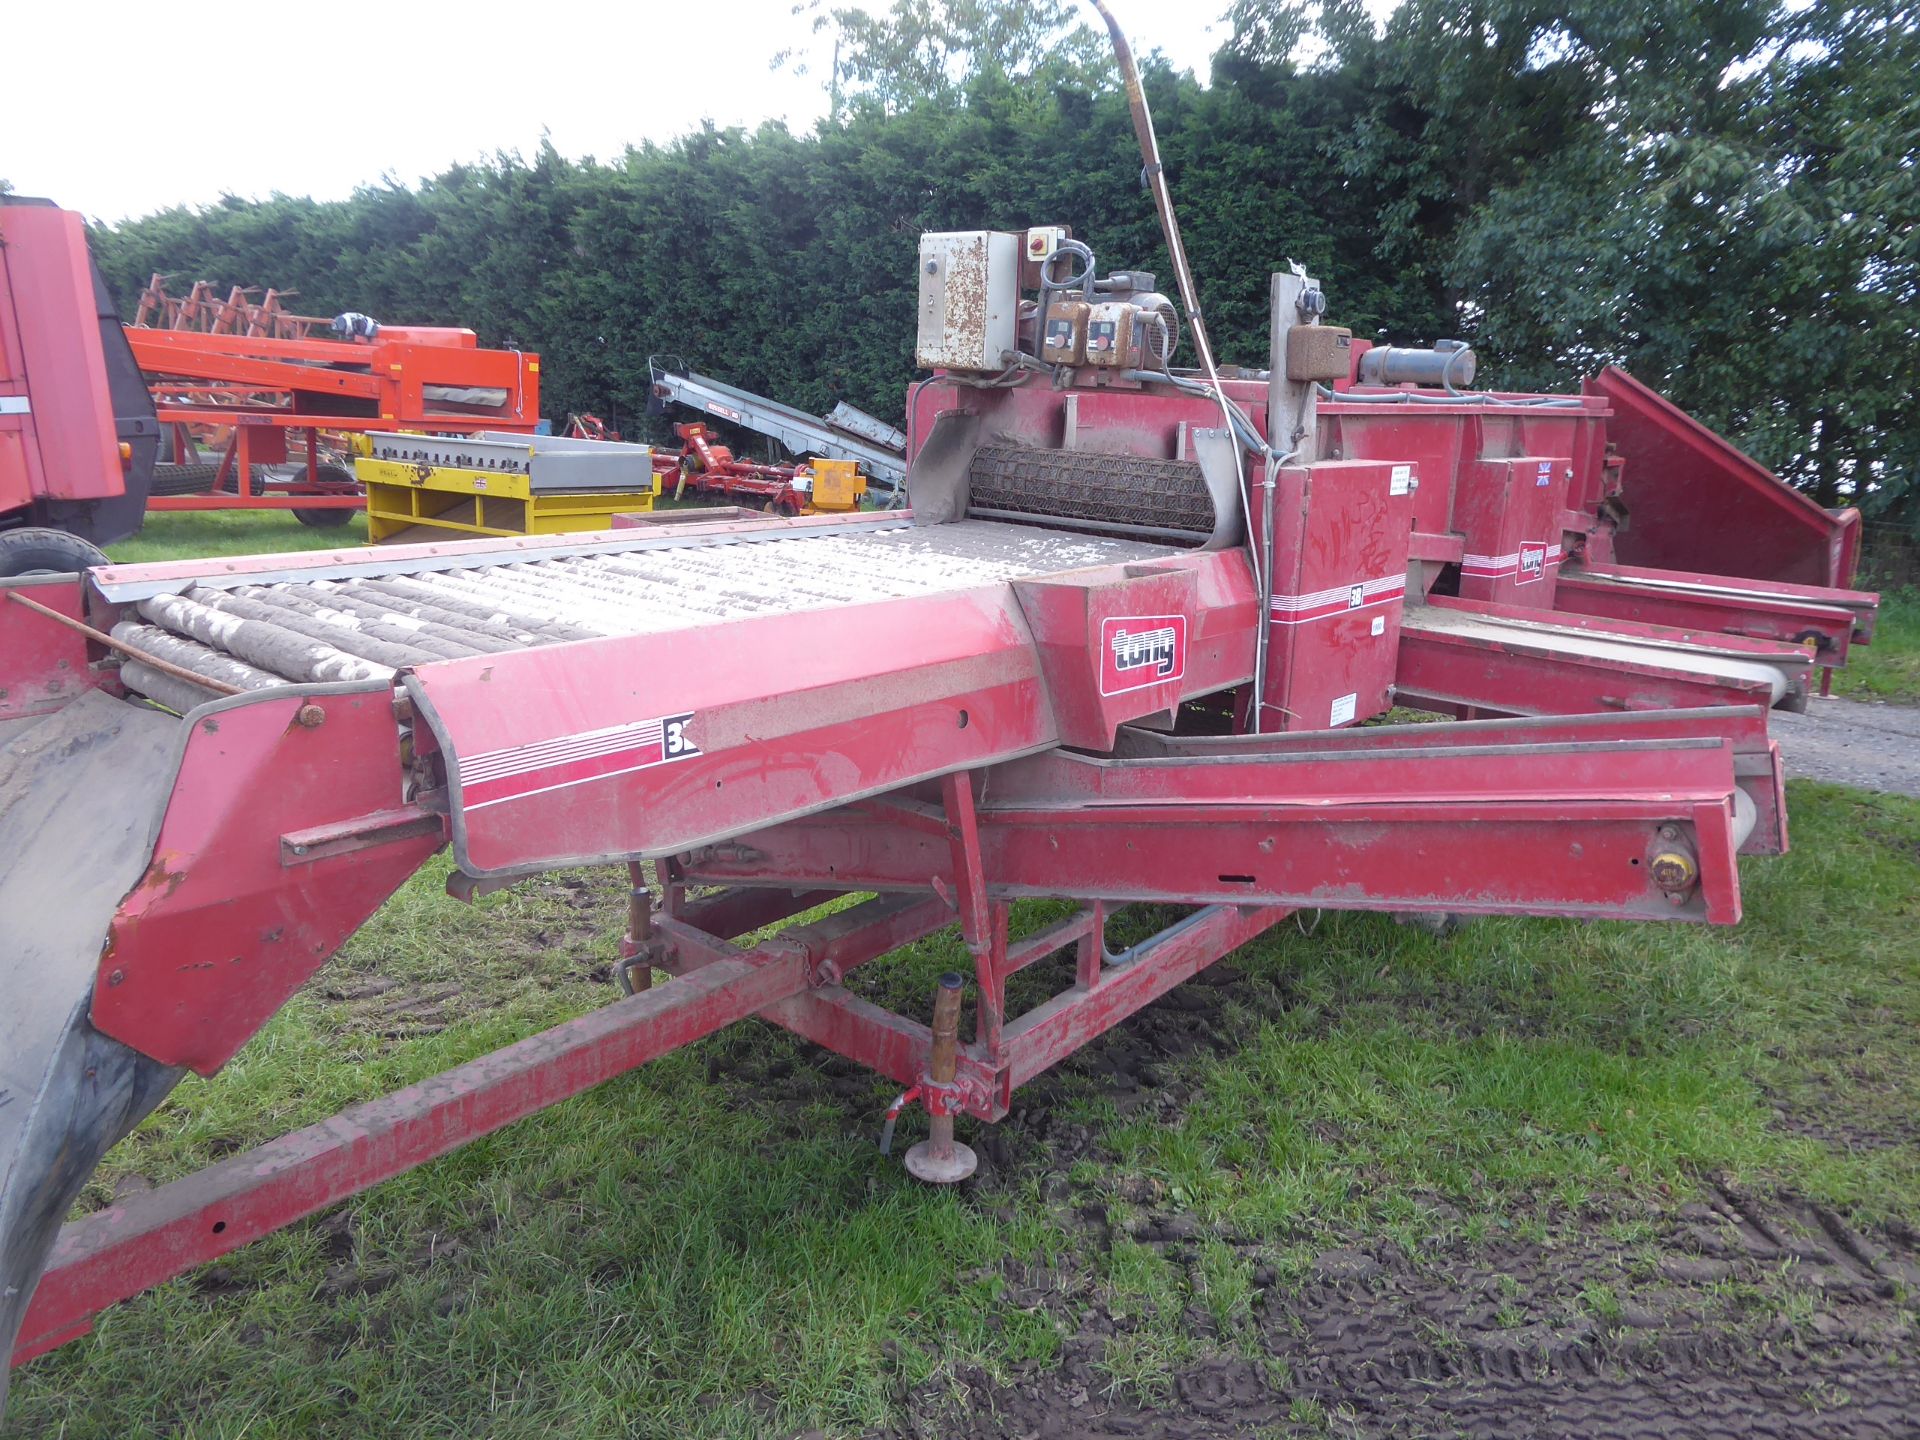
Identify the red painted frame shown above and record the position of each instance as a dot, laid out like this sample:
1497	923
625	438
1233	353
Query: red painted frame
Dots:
1150	827
927	765
277	384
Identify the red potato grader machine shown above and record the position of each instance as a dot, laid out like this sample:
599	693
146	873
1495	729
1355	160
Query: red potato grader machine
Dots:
1119	651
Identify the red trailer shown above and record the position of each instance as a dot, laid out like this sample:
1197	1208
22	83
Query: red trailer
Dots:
1122	650
78	436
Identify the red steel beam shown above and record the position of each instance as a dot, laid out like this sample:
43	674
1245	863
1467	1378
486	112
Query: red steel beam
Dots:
829	1015
1551	829
1474	675
1047	1034
740	911
231	501
129	1247
1815	615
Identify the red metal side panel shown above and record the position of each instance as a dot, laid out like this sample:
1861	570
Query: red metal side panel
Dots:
1512	675
1122	643
1441	446
1530	829
1756	759
16	475
17	465
228	921
1695	502
1339	588
71	424
43	664
650	744
1509	511
406	370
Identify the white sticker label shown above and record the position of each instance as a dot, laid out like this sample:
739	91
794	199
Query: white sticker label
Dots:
1343	709
1379	625
1402	482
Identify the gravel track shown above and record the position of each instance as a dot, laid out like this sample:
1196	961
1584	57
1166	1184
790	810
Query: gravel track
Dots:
1850	742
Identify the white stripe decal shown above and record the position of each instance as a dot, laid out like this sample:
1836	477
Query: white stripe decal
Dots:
493	764
561	785
545	759
1314	599
1337	600
1494	566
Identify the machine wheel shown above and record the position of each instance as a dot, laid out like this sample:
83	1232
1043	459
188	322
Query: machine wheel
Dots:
198	479
169	479
36	551
328	518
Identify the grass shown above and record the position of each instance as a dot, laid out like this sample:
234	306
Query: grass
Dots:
1889	668
191	534
713	1247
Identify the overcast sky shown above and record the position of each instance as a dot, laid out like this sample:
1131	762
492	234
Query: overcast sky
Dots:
122	107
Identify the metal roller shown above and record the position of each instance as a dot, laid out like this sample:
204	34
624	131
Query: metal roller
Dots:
1108	494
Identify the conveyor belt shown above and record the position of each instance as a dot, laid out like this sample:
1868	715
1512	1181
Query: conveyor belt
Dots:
1574	642
326	626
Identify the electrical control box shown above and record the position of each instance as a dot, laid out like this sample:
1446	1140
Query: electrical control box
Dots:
1044	240
1064	340
1113	338
1319	352
969	300
1341	535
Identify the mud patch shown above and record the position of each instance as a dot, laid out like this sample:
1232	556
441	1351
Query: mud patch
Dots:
1741	1316
394	1010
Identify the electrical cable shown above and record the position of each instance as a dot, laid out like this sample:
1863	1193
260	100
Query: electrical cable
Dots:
1083	282
1156	178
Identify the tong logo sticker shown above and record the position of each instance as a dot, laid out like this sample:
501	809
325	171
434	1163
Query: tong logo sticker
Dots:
1140	650
1533	562
496	776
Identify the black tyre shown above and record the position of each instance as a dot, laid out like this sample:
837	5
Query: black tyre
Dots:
199	479
183	479
327	518
36	551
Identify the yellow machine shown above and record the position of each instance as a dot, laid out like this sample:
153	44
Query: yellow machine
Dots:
495	484
837	485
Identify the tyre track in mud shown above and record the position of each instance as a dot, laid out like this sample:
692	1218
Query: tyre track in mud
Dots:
1741	1314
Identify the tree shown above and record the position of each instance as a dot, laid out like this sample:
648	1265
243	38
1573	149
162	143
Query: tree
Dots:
1737	227
1719	194
932	49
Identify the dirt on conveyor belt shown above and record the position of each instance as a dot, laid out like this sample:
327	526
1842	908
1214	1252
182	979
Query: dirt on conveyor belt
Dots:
1849	742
